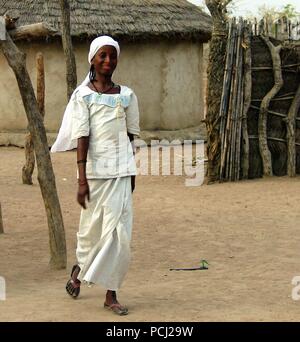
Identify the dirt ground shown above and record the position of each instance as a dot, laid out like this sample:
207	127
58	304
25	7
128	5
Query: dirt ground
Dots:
247	231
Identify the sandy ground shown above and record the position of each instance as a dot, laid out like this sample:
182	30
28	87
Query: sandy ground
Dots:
247	231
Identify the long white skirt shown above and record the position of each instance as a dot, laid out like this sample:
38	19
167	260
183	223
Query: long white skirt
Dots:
103	239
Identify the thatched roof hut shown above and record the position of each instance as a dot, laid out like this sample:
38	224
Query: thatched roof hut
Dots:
165	36
132	19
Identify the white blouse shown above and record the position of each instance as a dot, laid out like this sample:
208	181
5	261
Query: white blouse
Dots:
106	119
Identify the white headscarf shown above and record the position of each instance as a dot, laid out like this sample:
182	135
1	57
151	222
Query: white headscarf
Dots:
97	44
63	141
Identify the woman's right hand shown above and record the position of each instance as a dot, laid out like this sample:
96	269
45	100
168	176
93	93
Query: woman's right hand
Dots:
83	192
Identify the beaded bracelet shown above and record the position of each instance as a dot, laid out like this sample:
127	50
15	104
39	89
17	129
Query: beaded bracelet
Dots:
81	161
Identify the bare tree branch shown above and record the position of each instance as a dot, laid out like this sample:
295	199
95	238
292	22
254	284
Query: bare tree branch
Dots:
17	61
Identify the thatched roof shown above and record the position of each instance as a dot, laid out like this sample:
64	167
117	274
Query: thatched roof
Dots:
130	19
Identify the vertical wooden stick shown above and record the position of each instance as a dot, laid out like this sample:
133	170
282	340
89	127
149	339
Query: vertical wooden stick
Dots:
40	83
226	96
239	134
247	101
1	222
235	102
239	106
276	30
291	139
229	124
28	168
255	26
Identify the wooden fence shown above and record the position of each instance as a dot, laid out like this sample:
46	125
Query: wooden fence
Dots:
259	113
281	29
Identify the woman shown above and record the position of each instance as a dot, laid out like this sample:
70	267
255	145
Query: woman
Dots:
101	119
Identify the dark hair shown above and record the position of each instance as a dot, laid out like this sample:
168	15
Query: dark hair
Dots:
92	74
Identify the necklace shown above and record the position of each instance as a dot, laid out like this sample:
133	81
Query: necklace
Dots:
103	92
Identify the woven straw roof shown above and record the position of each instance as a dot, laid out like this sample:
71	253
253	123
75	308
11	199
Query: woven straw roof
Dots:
131	19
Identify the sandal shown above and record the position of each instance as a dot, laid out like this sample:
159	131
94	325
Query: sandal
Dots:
73	284
117	309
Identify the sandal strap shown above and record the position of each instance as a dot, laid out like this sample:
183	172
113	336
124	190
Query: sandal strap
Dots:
116	306
75	284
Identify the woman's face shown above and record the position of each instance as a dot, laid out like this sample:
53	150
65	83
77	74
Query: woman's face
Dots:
105	60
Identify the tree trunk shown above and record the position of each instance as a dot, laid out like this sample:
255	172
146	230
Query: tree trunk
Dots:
28	168
71	74
216	68
291	139
17	61
1	222
264	107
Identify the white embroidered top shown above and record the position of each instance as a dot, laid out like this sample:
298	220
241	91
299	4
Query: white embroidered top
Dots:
106	119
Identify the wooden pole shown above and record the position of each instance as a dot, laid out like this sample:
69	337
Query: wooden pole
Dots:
266	29
239	133
235	101
255	26
291	139
226	95
238	106
229	125
32	31
247	101
276	30
240	102
71	74
1	221
40	83
264	107
28	168
17	61
261	26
